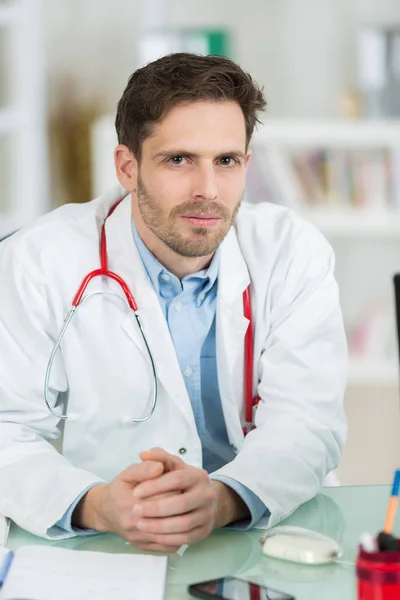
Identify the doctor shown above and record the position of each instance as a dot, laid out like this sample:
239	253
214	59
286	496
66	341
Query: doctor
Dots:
163	467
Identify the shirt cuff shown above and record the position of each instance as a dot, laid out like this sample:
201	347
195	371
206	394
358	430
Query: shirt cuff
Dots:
65	521
257	508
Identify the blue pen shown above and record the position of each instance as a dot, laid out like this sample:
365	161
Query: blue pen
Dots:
5	566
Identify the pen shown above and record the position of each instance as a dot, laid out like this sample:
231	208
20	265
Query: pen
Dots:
386	540
392	508
5	566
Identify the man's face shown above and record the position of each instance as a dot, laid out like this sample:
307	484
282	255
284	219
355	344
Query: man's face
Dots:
191	176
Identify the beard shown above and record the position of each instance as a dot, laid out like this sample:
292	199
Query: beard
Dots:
200	241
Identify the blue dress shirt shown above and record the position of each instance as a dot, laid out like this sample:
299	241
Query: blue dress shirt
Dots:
189	306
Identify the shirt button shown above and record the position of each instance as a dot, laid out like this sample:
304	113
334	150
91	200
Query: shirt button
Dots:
188	371
165	276
178	306
182	451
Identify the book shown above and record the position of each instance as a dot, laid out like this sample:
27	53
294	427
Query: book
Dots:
361	178
272	178
45	573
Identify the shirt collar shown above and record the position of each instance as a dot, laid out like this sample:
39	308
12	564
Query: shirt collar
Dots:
211	273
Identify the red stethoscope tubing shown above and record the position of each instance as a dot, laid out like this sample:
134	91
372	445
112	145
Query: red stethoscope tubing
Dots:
254	592
104	271
250	401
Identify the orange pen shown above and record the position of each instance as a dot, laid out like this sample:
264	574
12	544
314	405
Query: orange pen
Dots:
393	502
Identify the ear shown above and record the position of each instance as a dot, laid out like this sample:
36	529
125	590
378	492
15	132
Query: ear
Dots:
247	159
126	167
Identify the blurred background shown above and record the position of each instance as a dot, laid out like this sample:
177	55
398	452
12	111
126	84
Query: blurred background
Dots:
329	149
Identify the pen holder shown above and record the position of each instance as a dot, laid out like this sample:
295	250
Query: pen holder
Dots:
378	575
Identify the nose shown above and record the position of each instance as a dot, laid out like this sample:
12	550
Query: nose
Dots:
205	183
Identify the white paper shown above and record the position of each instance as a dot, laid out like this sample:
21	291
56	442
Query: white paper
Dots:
45	573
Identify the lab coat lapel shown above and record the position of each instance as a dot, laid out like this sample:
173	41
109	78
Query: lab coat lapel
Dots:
232	325
125	260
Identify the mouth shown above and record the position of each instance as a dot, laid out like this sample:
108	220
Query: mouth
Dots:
201	220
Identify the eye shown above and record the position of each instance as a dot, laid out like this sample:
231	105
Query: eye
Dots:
228	161
177	160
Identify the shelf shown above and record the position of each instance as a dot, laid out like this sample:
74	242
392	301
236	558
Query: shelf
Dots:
9	13
354	222
365	372
298	132
290	133
339	133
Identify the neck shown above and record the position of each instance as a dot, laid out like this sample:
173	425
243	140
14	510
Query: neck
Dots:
178	265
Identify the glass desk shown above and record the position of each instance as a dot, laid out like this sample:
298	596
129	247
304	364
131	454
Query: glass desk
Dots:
342	513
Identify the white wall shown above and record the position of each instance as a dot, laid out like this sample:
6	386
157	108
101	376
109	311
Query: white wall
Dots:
93	43
303	51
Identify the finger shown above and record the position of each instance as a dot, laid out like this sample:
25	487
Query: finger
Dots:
130	516
137	537
179	539
169	461
142	472
125	502
179	524
171	504
141	539
158	497
157	547
180	480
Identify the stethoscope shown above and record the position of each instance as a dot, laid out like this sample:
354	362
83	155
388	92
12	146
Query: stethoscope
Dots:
129	299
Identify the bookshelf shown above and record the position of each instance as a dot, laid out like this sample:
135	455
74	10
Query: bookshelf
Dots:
23	148
364	231
335	132
366	241
356	223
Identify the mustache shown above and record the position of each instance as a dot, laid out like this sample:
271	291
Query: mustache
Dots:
200	208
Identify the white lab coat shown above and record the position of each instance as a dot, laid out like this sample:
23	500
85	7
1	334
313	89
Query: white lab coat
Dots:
102	374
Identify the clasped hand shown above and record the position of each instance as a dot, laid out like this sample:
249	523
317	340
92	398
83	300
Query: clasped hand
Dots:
159	504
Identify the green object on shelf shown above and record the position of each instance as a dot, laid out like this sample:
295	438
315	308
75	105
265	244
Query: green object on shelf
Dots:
206	41
156	43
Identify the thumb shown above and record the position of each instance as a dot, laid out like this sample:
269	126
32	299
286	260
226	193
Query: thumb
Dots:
170	461
142	472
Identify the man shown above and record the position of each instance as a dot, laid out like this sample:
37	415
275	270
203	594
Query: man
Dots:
187	250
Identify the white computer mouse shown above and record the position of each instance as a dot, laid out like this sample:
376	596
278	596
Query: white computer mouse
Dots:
300	545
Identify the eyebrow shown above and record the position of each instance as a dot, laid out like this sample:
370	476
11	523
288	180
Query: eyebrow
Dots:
185	153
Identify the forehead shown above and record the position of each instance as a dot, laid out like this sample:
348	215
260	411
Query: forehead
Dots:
201	123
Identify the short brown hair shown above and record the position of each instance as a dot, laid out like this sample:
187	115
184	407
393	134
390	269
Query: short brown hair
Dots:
179	79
